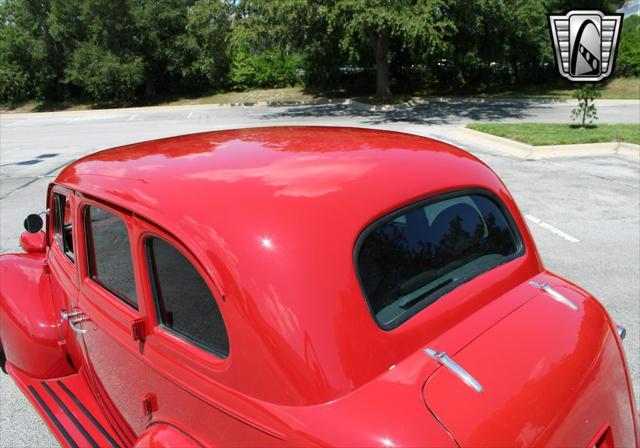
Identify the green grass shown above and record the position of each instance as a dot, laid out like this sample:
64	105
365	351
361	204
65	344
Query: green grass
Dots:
540	134
622	88
617	88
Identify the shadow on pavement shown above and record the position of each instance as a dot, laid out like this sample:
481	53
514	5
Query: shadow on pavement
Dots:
436	112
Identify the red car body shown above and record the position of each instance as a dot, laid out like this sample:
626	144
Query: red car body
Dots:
270	218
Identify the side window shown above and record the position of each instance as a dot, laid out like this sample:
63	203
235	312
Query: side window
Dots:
109	254
184	302
62	224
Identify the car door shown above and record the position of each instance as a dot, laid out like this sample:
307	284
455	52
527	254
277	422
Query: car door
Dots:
62	260
109	318
188	349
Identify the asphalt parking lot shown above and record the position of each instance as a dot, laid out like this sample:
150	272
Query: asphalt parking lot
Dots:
593	200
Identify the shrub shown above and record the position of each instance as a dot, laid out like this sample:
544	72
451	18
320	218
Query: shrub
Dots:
103	76
14	85
628	62
264	70
321	62
586	111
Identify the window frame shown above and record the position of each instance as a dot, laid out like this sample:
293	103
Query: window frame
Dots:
90	253
151	280
388	217
58	215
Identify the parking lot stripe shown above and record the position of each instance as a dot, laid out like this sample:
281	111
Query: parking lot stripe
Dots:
552	229
11	123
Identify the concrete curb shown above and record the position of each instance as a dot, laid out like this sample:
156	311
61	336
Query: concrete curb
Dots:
409	104
526	151
134	109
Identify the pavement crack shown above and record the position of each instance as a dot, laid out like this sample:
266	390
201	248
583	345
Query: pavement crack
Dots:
42	176
586	173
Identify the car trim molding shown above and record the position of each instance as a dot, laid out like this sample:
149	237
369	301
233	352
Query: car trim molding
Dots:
69	414
72	443
87	414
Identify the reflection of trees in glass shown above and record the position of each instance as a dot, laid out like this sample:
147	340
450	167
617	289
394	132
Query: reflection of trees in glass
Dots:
111	263
391	266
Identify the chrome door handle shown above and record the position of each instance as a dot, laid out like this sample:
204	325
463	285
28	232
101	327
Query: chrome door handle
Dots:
443	359
66	314
77	320
554	294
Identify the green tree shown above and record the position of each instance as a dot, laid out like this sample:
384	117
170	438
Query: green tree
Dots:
320	44
561	6
20	54
209	27
104	76
268	25
31	59
264	70
300	31
586	112
105	65
527	46
159	27
120	49
476	40
628	62
266	42
411	23
145	44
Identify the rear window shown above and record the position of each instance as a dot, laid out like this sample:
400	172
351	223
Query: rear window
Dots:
409	259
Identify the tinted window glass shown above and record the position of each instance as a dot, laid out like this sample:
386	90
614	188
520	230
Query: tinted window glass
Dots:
409	261
63	225
184	301
110	254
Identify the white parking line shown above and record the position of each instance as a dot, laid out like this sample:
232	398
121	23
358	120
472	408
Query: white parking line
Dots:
552	229
189	116
132	117
14	122
92	117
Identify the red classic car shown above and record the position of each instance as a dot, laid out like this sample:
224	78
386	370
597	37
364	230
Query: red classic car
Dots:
302	286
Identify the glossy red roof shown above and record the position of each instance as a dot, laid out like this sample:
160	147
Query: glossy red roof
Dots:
310	164
273	214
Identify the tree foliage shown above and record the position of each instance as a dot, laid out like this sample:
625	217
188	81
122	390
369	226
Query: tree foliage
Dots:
207	42
266	69
416	25
628	63
115	51
103	75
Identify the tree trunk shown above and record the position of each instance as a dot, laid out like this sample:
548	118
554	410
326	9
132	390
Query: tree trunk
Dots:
379	40
516	72
149	88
